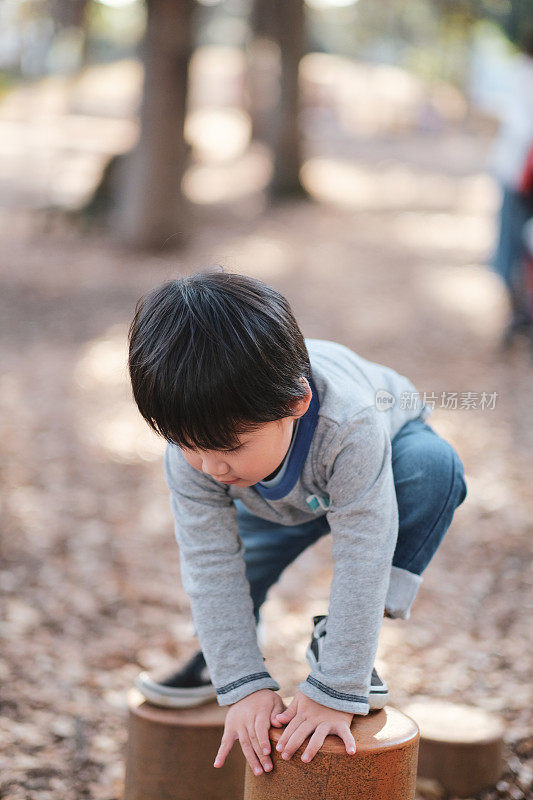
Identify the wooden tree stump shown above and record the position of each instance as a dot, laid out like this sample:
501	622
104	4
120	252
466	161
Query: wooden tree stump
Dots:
170	754
383	767
461	747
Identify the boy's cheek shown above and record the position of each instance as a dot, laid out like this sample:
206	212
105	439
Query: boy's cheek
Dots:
189	458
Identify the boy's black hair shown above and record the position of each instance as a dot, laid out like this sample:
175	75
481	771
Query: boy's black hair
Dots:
214	355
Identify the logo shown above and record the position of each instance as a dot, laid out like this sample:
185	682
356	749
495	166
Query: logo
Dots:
384	400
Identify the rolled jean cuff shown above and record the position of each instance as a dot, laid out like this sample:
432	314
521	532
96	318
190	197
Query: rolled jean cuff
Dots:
403	588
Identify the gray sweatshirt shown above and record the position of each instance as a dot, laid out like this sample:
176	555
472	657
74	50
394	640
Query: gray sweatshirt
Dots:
339	465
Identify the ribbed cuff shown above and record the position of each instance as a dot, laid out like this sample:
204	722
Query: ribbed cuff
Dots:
236	690
403	588
331	698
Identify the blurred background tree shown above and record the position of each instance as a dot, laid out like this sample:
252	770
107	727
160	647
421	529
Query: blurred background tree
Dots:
278	39
151	203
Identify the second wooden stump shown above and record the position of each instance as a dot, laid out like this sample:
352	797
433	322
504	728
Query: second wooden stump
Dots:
171	752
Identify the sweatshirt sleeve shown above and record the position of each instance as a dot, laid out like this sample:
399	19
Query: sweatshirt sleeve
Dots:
363	519
213	574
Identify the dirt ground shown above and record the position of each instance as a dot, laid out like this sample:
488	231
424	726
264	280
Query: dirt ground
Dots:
394	268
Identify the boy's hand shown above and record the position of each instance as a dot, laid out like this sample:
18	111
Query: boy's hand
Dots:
249	720
305	717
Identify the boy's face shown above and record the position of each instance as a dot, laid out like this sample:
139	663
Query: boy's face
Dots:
260	452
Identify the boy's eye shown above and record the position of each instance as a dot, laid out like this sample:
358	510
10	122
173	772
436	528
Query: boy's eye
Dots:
234	449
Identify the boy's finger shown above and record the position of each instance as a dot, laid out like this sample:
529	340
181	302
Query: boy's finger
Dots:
287	715
249	754
225	746
298	738
315	743
347	737
274	718
287	733
261	730
264	759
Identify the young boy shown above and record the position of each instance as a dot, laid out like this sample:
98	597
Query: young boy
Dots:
273	442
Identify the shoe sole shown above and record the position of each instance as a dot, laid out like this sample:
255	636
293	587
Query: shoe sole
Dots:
377	699
167	697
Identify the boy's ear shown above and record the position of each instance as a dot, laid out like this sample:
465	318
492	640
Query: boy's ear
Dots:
301	406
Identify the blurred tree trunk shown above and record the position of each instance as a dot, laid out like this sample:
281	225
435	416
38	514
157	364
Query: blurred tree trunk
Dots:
151	207
277	46
73	14
263	69
287	151
68	13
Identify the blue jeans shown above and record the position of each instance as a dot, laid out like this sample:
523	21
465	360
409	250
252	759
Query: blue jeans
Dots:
430	485
510	255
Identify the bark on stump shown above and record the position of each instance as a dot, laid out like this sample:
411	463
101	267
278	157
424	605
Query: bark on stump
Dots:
461	747
170	754
383	767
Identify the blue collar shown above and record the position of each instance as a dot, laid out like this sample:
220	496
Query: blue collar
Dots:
304	437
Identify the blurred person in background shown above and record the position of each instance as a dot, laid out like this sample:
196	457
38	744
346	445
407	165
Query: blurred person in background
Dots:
527	233
510	159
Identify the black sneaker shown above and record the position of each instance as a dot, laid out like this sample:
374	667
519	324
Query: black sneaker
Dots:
379	691
189	686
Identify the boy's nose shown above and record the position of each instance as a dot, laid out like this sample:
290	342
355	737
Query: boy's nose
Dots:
215	467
